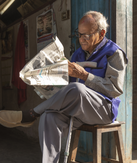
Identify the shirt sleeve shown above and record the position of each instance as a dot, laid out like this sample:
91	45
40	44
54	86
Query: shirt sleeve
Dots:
112	84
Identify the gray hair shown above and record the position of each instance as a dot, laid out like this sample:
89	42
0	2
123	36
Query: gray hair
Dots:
99	19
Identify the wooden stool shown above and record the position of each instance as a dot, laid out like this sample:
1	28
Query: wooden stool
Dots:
97	131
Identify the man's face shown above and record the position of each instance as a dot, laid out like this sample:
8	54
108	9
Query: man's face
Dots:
89	27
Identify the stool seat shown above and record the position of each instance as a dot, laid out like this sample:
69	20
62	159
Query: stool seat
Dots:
97	131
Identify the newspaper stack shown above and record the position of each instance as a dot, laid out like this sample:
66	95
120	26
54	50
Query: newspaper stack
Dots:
47	71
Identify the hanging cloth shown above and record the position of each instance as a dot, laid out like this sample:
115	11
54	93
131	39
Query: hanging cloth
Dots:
19	62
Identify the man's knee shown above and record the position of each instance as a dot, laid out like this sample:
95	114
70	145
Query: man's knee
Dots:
78	89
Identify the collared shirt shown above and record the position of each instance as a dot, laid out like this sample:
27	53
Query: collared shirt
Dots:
112	84
102	43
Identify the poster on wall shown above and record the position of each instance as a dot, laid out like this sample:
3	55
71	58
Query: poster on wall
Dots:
6	57
7	44
46	28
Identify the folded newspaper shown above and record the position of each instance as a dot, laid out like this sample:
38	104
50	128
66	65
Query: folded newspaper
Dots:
47	71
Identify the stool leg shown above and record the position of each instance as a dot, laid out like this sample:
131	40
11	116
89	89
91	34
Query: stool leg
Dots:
119	144
97	143
74	146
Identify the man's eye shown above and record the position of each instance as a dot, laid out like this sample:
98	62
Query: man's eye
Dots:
87	36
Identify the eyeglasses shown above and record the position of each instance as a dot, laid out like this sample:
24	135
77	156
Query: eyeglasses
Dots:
85	36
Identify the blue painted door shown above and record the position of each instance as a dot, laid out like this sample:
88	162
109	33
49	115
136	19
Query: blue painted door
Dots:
78	8
124	22
119	15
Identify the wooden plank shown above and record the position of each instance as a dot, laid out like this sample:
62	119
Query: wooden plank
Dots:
129	89
31	13
73	146
99	149
120	40
110	160
119	144
124	39
0	77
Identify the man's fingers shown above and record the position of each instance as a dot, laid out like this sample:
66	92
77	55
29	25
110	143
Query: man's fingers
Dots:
73	64
70	65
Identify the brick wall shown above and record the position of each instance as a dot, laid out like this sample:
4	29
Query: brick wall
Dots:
134	74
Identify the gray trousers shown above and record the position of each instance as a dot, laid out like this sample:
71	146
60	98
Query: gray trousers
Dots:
75	99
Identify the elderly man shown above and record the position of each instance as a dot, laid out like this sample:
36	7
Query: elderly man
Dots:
93	99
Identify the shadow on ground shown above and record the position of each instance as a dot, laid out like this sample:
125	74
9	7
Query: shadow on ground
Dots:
16	147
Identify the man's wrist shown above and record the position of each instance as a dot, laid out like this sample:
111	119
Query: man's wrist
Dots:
85	76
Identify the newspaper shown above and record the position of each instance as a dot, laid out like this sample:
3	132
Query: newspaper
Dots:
47	71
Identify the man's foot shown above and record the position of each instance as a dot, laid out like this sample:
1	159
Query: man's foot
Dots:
29	116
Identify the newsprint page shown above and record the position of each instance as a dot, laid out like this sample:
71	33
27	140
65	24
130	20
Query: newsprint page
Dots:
47	71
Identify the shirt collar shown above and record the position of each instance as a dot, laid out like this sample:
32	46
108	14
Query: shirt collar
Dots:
99	46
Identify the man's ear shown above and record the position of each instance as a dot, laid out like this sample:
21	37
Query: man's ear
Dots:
102	33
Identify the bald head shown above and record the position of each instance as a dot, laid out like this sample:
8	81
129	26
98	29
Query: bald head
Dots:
90	35
89	22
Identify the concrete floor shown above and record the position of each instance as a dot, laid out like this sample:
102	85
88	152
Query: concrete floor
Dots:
16	147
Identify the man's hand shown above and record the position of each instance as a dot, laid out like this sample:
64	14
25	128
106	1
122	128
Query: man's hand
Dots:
77	71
